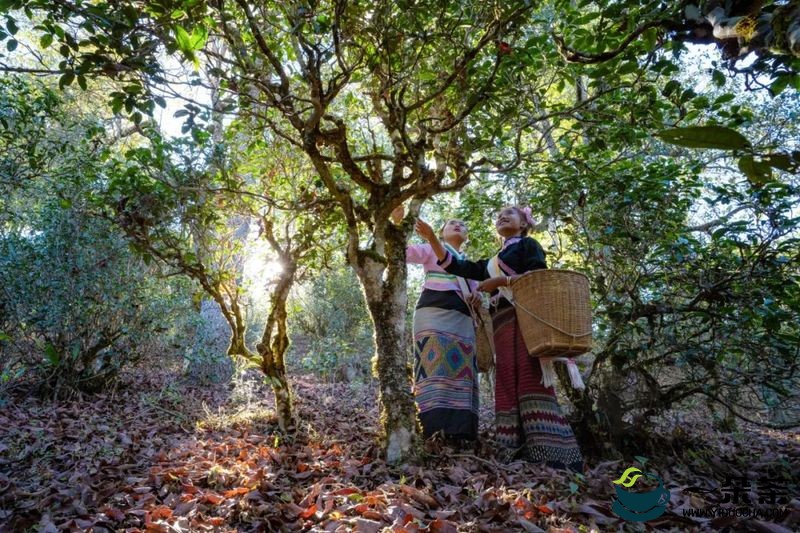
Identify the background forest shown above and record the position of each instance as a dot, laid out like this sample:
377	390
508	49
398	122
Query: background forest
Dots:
200	285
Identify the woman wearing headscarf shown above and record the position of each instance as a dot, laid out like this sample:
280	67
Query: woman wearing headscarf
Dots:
445	368
528	416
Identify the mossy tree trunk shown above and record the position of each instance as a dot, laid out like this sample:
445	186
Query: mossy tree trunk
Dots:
385	291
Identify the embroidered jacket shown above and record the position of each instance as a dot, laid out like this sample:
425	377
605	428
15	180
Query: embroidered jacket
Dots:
517	256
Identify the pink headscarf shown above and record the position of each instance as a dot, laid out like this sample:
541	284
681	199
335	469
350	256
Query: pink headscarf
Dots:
526	213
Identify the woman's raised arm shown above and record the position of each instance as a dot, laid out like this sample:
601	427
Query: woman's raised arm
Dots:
460	267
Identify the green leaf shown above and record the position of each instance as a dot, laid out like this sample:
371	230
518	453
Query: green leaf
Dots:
51	354
66	80
182	39
65	203
687	95
718	78
189	43
200	135
642	460
780	83
757	172
650	38
724	99
781	162
46	40
671	87
4	336
11	26
691	115
717	137
628	67
700	102
82	81
11	45
133	88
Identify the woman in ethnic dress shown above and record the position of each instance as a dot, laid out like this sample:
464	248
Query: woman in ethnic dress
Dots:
445	368
528	417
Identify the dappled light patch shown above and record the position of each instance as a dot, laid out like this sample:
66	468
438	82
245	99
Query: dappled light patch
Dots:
221	420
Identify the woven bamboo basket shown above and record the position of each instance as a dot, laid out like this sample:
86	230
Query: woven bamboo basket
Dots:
554	312
484	341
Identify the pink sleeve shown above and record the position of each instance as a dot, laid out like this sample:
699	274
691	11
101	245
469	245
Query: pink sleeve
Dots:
418	253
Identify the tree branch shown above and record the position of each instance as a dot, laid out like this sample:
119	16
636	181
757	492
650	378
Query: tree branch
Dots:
587	58
471	54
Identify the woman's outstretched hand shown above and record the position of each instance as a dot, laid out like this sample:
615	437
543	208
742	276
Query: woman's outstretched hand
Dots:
424	230
491	284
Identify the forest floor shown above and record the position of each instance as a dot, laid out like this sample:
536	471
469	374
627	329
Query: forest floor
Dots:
158	454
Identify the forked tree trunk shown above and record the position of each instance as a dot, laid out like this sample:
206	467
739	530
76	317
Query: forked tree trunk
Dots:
386	298
273	346
271	349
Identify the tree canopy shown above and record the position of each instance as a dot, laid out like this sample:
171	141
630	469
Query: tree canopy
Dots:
672	186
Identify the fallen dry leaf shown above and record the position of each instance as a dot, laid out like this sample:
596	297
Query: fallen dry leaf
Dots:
117	463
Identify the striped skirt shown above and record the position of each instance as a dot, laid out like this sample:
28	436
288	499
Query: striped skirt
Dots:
527	413
445	368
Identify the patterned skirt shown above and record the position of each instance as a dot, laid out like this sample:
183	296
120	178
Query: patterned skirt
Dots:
527	413
445	368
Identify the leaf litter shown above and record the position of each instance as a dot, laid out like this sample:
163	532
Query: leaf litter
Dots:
153	457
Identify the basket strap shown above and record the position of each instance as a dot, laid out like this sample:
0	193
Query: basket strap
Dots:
465	292
476	318
543	321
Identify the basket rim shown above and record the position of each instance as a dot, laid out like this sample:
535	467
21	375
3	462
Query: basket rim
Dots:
548	270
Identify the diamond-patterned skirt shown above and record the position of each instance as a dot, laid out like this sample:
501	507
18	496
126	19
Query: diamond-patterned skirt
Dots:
445	370
527	413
